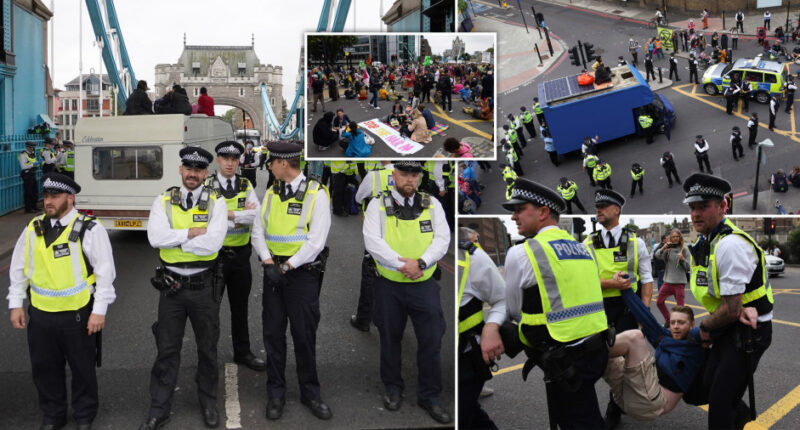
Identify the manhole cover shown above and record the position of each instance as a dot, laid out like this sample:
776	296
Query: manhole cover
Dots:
616	11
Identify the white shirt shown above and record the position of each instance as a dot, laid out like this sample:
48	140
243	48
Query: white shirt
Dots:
161	235
736	263
773	105
750	123
701	149
644	269
319	225
485	283
377	246
519	276
365	188
23	161
438	174
245	216
49	158
97	248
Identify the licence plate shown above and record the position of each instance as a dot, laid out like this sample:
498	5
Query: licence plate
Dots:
128	223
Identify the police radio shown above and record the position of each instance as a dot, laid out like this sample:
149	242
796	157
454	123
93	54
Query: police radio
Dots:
202	203
388	204
301	190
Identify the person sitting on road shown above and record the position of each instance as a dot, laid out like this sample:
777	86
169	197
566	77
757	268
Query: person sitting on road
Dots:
397	116
358	146
324	134
419	128
779	181
457	149
426	113
794	176
465	94
340	121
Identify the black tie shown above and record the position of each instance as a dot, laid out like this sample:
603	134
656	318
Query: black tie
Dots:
58	224
408	203
289	193
611	243
189	202
230	187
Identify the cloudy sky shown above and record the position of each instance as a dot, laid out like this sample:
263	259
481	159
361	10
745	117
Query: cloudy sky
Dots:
473	42
153	31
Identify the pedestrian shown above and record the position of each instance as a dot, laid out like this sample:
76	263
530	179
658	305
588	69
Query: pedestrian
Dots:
714	40
375	85
657	48
537	110
445	89
69	300
736	143
550	147
527	120
767	19
481	284
572	400
704	16
318	91
646	123
637	174
752	128
675	42
205	103
685	40
668	163
194	217
734	40
589	162
675	257
569	192
28	166
333	90
633	48
790	89
701	148
648	67
289	236
658	265
516	123
659	17
616	249
405	287
740	20
673	67
724	248
243	205
513	138
774	105
602	175
693	69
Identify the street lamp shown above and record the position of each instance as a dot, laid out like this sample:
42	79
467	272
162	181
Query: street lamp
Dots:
768	143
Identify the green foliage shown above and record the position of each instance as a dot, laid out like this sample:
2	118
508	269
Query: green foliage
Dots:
334	46
793	246
462	6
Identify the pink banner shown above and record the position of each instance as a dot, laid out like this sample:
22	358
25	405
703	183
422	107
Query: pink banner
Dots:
400	144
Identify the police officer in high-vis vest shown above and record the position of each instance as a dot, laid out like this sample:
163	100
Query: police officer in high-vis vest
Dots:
444	176
618	251
188	225
63	262
646	123
338	187
553	291
527	120
537	110
289	236
406	233
729	277
509	177
479	343
242	203
589	163
602	175
48	157
375	182
569	192
28	165
67	162
512	138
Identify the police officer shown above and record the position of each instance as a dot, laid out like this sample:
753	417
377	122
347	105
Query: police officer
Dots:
616	249
338	186
515	124
569	192
249	162
637	174
668	163
646	122
48	156
68	160
406	233
27	170
752	130
730	97
790	89
746	91
693	69
774	105
513	139
602	175
589	163
68	307
729	277
242	203
568	291
673	66
527	120
444	175
509	177
188	224
512	158
479	342
537	110
374	183
289	237
648	67
701	148
736	143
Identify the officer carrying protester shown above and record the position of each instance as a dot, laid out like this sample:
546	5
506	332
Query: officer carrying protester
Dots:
242	203
188	225
479	343
289	236
729	274
553	291
406	233
64	263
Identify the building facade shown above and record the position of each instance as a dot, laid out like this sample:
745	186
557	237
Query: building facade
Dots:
69	109
421	16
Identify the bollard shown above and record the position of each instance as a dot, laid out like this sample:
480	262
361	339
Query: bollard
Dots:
549	45
660	76
536	48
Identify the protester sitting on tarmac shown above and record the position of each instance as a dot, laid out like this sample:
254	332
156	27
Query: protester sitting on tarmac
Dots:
426	113
779	181
413	102
419	128
794	176
465	94
324	133
340	121
457	149
398	115
357	147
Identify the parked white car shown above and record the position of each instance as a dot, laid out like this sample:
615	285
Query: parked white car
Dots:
774	265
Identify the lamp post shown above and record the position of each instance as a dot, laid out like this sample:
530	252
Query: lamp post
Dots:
764	143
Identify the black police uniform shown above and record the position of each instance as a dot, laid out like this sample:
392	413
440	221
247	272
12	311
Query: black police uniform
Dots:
693	70
736	144
673	68
29	186
249	167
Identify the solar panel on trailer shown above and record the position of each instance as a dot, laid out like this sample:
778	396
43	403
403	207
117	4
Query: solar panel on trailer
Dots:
557	89
576	88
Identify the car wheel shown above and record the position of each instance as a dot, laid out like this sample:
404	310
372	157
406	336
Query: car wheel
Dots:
762	97
711	89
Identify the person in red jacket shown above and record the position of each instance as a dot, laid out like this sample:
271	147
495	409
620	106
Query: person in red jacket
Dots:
205	103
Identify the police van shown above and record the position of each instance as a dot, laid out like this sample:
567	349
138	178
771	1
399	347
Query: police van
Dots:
122	163
765	77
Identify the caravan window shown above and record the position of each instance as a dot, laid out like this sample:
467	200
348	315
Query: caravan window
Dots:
122	162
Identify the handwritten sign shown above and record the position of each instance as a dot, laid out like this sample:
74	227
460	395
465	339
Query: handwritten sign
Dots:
400	144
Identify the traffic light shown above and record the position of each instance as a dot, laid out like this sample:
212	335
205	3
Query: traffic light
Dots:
578	226
772	226
769	225
589	51
574	57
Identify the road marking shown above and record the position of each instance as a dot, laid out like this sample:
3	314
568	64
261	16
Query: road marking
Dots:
232	407
509	369
782	407
459	123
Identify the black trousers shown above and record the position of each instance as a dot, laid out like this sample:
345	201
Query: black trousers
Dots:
250	174
298	306
675	71
365	296
238	279
54	340
751	137
649	133
605	184
730	104
577	202
590	173
634	184
518	168
670	172
30	189
484	165
395	302
693	73
522	140
338	184
447	100
702	160
470	413
202	309
619	315
726	373
746	102
771	120
47	168
531	129
650	72
737	149
579	409
789	102
517	148
426	95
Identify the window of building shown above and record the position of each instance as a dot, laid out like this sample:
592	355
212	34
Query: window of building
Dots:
242	69
127	162
92	104
409	22
74	104
241	92
196	92
62	118
195	68
74	119
157	91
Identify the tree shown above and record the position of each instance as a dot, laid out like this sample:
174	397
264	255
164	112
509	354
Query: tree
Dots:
234	116
328	49
490	50
793	246
632	226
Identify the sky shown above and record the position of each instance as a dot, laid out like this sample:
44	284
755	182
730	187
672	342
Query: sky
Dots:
472	42
153	32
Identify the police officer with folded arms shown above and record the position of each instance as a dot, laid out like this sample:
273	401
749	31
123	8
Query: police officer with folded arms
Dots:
48	155
289	236
242	203
406	233
729	277
617	252
63	262
375	182
553	291
479	343
188	225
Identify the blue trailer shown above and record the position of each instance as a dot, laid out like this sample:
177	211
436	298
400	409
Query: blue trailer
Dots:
609	111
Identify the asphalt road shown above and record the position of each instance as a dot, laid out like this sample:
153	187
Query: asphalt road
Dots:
519	404
347	360
696	114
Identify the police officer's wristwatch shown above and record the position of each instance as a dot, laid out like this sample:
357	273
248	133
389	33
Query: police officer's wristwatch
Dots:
285	267
421	263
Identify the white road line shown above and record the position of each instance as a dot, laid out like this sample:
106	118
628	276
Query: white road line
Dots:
232	407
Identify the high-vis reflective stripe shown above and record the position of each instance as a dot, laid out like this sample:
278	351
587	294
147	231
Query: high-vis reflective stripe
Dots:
29	159
179	218
602	173
239	235
637	176
382	180
407	238
607	267
463	272
591	161
568	285
338	166
569	191
60	293
285	232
